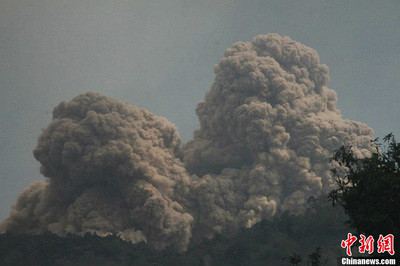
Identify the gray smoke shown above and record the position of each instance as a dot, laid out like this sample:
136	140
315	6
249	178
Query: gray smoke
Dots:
268	127
111	168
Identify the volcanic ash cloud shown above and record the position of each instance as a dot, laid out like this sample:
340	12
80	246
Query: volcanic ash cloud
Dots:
110	168
268	127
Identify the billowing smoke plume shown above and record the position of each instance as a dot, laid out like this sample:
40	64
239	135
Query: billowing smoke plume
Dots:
111	168
268	128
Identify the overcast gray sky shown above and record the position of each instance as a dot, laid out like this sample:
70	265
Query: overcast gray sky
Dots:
161	55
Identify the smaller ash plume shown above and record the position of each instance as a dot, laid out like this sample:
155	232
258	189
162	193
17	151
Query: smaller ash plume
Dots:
111	168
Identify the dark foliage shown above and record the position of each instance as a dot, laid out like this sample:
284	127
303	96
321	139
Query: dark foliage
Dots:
316	259
369	191
294	259
50	249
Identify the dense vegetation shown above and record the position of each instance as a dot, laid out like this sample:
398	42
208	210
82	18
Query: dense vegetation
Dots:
369	191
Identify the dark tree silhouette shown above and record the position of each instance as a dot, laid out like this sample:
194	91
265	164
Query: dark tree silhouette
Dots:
369	191
315	258
294	259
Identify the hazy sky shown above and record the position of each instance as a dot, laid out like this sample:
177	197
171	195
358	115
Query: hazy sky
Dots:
161	55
